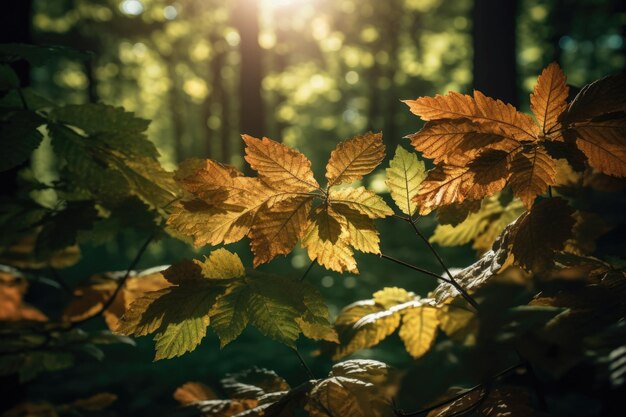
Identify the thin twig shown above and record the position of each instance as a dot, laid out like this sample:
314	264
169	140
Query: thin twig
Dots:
121	282
550	191
308	269
415	268
402	413
451	280
543	404
56	276
304	365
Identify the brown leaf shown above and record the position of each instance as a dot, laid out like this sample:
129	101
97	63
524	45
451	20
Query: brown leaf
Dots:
354	158
13	286
280	166
538	233
604	145
276	231
478	109
457	141
601	97
549	98
532	172
192	392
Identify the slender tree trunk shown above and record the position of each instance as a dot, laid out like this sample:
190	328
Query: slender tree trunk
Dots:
15	22
175	105
494	31
92	83
246	20
14	28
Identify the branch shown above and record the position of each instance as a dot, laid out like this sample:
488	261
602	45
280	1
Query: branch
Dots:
402	413
451	279
304	365
307	270
121	282
415	268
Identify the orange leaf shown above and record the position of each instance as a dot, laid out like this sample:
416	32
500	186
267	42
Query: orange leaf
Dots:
192	392
479	109
276	231
280	166
532	172
354	158
549	98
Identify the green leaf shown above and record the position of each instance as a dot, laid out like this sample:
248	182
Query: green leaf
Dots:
404	175
179	338
99	118
38	55
8	78
19	137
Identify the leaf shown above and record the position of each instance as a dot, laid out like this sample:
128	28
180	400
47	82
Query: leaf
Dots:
445	184
598	98
361	232
13	287
391	296
323	243
361	200
459	140
37	55
502	401
19	137
455	214
222	264
354	158
533	172
419	329
181	337
478	109
540	232
98	118
549	98
277	232
404	175
349	396
192	392
366	323
89	298
253	383
280	166
482	227
603	144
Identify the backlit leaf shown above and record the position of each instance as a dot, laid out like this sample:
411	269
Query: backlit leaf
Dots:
354	158
404	175
549	98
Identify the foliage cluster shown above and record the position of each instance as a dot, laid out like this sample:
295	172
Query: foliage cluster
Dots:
542	302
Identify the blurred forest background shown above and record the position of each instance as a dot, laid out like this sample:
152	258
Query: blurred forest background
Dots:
308	73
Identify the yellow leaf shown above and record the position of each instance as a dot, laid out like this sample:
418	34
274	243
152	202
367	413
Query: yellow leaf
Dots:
361	200
222	264
391	296
362	234
482	227
549	98
354	158
369	331
280	166
419	329
276	231
323	242
404	175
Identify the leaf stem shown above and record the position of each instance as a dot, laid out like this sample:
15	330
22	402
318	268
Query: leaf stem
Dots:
402	413
308	269
451	279
415	268
303	363
121	282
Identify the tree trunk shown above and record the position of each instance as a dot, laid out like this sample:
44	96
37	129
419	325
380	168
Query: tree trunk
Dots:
246	20
494	30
